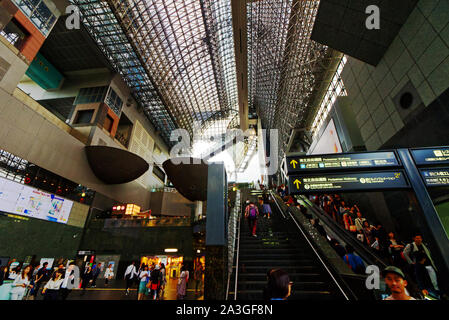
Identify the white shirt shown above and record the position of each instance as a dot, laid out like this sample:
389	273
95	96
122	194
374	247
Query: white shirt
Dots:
54	284
66	279
108	273
143	274
131	270
12	275
19	281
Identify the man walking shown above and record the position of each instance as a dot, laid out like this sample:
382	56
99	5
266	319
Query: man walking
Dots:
95	274
129	276
71	280
41	277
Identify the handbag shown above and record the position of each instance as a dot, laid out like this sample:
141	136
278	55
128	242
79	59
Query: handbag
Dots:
154	286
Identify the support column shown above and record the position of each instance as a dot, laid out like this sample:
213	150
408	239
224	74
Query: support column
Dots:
216	233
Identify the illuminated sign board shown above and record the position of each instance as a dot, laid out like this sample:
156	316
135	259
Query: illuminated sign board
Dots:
341	161
19	199
431	156
340	182
435	177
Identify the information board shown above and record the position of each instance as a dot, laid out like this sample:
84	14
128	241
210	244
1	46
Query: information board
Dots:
435	177
360	181
431	156
343	161
20	199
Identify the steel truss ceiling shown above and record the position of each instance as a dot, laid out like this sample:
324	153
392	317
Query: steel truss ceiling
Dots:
285	67
177	57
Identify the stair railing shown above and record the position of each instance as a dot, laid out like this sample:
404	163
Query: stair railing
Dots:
311	246
233	237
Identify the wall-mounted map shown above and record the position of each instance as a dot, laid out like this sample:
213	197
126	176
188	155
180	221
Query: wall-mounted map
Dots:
19	199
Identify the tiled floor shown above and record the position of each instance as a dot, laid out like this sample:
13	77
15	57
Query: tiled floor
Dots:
116	291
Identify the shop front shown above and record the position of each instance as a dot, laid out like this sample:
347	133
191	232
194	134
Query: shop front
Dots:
172	263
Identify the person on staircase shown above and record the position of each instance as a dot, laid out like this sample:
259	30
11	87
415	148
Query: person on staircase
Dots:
251	213
279	285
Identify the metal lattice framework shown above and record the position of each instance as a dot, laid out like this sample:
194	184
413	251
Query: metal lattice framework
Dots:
285	67
177	57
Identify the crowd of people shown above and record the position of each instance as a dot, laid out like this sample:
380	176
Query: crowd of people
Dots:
414	258
25	282
28	281
151	280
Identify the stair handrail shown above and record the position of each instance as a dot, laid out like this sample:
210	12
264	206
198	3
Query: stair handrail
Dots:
313	247
237	255
235	232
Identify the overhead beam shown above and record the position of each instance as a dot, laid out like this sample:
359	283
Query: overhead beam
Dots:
239	23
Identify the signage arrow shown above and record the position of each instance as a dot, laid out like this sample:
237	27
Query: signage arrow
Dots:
297	182
294	163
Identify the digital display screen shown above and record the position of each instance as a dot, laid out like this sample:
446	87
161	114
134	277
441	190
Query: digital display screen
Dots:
348	182
328	142
431	156
435	177
341	161
20	199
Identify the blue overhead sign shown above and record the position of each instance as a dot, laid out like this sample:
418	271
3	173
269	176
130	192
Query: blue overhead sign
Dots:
341	161
435	177
340	182
431	156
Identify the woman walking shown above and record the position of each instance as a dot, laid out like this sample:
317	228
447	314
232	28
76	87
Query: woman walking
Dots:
163	281
143	276
108	275
182	283
21	282
51	289
87	276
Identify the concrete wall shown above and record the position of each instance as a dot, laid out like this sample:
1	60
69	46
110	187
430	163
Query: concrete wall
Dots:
13	66
30	136
418	57
171	204
71	86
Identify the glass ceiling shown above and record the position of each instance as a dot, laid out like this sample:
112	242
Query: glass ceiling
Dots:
177	56
285	66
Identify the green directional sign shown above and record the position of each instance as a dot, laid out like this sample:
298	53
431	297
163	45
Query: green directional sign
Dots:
341	161
340	182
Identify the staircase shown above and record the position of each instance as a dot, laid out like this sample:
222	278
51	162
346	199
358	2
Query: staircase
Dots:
279	244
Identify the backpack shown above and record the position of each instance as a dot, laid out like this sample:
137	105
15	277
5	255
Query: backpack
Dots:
252	212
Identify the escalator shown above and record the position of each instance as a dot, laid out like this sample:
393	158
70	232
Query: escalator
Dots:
279	244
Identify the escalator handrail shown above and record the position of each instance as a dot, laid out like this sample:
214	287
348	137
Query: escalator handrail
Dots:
370	257
237	255
314	250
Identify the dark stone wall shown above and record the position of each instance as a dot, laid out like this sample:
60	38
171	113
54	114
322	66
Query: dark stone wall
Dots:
20	238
